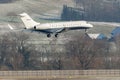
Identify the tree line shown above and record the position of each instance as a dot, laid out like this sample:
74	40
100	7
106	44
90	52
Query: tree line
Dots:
7	1
92	10
81	52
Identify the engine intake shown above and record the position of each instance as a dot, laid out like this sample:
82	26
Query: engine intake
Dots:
34	27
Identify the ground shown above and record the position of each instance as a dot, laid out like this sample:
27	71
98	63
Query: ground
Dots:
82	78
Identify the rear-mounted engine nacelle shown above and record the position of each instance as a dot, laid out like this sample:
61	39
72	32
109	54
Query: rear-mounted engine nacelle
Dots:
34	27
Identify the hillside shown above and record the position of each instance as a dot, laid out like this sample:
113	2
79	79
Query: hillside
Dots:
43	9
34	7
93	10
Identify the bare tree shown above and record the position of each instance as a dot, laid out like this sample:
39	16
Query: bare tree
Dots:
99	10
115	58
85	52
6	52
56	56
15	52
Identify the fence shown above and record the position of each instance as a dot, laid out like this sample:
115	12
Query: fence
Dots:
58	73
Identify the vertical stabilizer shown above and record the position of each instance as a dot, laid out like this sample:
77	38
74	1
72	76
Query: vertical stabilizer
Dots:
28	21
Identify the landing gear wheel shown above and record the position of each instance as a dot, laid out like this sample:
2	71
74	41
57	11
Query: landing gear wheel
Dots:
56	35
48	35
86	31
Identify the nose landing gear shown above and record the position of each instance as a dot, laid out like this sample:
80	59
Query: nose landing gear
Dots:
86	31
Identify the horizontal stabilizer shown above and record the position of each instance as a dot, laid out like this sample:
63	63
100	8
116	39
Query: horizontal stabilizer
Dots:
10	27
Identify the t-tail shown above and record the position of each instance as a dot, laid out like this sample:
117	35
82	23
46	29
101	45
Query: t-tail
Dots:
28	21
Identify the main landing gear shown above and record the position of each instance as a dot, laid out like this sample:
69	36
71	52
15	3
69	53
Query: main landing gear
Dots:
56	35
49	35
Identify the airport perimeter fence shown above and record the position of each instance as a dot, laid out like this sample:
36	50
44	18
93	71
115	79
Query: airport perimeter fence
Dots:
60	73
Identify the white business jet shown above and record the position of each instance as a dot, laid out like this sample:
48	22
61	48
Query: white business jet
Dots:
53	28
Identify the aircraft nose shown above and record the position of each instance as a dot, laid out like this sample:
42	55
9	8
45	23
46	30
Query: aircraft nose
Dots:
90	25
